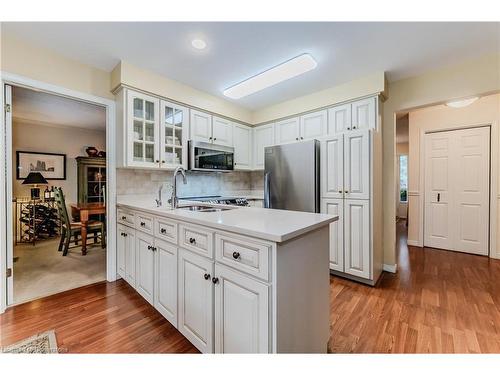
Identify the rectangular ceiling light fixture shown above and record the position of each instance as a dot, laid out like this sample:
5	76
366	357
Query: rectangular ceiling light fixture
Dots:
289	69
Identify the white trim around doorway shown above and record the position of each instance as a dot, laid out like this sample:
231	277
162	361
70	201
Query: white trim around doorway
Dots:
5	178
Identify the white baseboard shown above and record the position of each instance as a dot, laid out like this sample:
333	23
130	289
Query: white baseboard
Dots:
413	243
392	268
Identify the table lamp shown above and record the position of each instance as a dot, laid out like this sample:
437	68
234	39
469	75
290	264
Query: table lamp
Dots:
35	179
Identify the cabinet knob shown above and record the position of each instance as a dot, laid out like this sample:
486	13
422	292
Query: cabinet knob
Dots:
163	161
297	138
346	191
163	230
210	138
340	191
143	224
215	139
206	276
215	280
236	255
192	240
354	127
154	248
150	247
157	161
348	128
124	217
301	137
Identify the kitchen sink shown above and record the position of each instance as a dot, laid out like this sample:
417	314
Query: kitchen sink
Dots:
203	208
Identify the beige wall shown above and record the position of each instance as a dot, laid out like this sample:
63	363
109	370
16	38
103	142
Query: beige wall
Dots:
469	78
128	74
486	111
61	140
28	60
369	85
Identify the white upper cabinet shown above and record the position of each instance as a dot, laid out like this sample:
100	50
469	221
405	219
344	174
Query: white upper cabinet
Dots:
242	142
357	164
339	119
332	167
263	136
142	130
313	125
241	313
363	114
222	131
201	126
287	131
357	260
174	128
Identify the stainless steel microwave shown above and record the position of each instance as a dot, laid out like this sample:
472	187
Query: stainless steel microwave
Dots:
209	157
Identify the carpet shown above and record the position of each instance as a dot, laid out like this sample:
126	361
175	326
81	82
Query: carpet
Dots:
41	270
43	343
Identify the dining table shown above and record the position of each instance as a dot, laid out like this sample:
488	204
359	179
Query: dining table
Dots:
84	210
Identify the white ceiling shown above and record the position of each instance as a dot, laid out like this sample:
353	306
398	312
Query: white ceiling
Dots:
46	109
236	51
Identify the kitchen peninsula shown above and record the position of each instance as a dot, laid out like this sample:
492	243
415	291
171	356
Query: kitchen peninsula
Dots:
230	279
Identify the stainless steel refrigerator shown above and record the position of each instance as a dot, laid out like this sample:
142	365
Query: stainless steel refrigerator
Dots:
291	176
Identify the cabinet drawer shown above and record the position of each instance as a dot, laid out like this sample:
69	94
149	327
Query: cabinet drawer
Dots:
245	254
196	239
144	223
125	217
166	230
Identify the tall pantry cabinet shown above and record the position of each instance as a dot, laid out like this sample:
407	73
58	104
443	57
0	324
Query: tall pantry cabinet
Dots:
351	157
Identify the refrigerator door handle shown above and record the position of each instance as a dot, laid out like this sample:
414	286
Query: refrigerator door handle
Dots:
267	193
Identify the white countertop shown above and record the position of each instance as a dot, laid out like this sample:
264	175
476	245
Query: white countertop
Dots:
268	224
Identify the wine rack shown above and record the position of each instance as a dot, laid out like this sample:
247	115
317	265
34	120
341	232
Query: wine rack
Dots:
36	220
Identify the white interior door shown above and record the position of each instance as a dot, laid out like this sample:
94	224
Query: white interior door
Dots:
457	175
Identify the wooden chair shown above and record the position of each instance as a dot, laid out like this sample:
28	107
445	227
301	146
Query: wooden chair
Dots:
95	229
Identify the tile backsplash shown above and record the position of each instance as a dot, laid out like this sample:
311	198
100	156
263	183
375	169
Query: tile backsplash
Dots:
138	181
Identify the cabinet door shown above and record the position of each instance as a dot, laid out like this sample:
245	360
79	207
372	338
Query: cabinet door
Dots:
263	137
130	256
357	237
222	131
287	131
195	290
145	270
357	164
174	126
242	142
201	126
121	246
143	138
335	207
363	114
165	291
313	125
332	167
339	119
241	313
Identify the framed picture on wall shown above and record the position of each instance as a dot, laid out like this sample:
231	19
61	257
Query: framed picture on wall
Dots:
51	166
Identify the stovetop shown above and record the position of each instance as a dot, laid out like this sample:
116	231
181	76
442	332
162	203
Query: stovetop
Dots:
219	199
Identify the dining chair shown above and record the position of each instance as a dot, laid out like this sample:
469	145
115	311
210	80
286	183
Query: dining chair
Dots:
95	229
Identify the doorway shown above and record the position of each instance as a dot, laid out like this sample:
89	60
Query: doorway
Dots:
7	229
457	190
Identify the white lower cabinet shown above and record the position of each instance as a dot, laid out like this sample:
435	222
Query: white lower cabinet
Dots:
145	266
357	237
121	245
195	293
165	291
125	253
241	313
335	207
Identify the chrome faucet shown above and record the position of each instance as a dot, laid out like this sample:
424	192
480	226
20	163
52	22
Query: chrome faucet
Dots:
174	201
158	200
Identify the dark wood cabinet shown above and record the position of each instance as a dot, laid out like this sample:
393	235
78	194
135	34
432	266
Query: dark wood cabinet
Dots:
91	179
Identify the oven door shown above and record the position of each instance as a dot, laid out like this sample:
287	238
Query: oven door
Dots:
208	157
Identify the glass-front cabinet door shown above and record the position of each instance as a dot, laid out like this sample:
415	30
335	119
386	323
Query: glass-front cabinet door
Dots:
143	132
173	133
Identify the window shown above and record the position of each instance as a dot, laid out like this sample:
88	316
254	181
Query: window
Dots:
403	178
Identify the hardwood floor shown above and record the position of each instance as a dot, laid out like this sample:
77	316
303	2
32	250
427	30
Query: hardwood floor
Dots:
438	302
99	318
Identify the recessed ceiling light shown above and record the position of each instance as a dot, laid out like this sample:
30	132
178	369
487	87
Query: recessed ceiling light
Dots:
198	43
289	69
462	103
